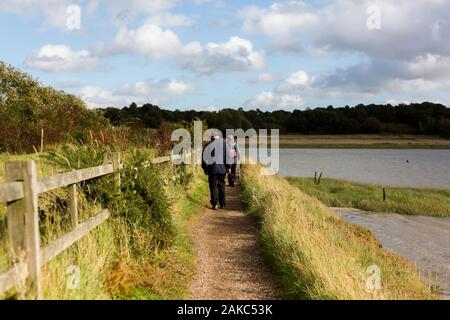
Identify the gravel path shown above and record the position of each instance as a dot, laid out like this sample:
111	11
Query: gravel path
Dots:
230	263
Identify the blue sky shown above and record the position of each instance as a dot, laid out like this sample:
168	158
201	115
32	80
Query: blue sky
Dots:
210	54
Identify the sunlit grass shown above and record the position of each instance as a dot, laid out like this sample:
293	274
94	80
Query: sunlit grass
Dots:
316	254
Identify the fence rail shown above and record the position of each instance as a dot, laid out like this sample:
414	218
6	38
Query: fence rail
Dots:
11	191
20	194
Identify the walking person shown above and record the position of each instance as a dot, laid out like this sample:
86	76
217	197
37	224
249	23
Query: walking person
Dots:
234	156
216	164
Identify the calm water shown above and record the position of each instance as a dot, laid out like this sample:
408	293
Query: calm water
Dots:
411	168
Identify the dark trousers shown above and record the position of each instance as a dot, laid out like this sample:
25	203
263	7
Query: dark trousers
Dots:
232	175
217	189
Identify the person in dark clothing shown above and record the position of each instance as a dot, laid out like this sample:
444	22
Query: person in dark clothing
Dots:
234	156
216	164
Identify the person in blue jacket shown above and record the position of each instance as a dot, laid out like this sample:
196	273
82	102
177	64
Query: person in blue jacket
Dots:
216	164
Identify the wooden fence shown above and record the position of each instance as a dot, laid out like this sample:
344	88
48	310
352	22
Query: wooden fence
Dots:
20	194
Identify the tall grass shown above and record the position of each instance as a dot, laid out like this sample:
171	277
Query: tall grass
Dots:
141	252
316	254
410	201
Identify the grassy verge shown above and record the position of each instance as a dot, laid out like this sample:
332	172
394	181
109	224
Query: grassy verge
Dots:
142	252
168	273
318	255
409	201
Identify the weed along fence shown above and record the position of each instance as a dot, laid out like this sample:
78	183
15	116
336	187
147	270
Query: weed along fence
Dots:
20	193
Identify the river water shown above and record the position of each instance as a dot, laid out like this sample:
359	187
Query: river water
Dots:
409	168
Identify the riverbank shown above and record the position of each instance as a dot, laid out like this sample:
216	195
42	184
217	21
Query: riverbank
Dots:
316	254
421	240
376	141
369	197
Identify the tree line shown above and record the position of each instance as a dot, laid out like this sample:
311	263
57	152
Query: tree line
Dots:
417	118
30	111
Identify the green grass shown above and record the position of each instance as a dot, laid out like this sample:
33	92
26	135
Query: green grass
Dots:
168	276
369	197
117	260
317	255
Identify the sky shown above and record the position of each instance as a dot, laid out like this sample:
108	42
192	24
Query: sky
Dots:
213	54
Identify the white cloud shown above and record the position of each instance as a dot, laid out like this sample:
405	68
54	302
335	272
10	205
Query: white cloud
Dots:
235	55
53	12
269	100
423	73
298	78
411	52
61	58
409	27
290	94
279	22
158	92
149	40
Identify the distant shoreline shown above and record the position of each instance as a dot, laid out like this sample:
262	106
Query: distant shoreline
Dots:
363	142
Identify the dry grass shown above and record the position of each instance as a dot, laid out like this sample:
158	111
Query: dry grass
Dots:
318	255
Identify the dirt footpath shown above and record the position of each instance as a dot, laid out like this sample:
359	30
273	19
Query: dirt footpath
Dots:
230	263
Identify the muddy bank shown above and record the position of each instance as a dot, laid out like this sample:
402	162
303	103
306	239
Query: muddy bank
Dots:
424	241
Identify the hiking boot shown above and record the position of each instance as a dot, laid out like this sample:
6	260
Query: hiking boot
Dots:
214	207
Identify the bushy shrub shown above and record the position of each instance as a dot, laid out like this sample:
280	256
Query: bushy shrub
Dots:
27	107
142	202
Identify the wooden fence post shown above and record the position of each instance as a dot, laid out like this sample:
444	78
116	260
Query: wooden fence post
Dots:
73	205
116	166
23	221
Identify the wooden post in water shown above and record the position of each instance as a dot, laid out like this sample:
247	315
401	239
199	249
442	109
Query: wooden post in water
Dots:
23	221
320	178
